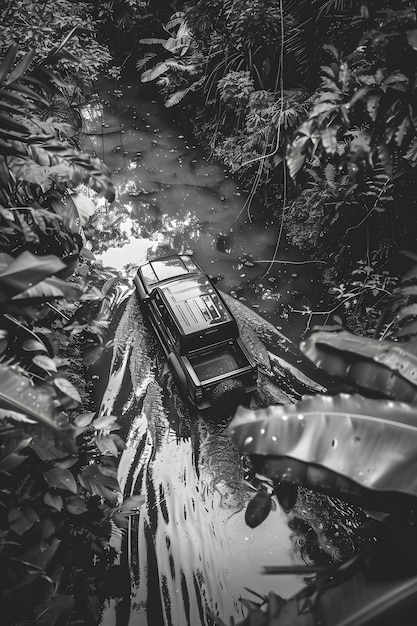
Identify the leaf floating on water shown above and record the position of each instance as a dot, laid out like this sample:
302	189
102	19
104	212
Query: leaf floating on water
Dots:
258	509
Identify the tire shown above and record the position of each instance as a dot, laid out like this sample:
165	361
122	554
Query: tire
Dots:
226	397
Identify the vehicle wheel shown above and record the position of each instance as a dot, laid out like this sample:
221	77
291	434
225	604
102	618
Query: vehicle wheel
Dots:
226	397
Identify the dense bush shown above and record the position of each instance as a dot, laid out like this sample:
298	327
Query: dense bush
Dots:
58	460
324	135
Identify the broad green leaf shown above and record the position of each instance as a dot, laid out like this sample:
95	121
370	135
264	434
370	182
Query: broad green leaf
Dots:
21	67
61	478
11	460
329	140
33	345
129	507
108	285
383	367
50	289
87	254
67	388
84	206
45	362
66	463
75	505
92	354
356	447
104	422
54	609
258	509
105	443
26	270
93	479
19	394
14	415
84	419
8	60
22	519
54	501
68	214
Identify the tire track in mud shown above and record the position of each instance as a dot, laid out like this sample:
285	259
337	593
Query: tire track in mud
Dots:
184	550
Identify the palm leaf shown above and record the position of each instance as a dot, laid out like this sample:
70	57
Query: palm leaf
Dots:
142	62
176	97
8	60
20	68
384	367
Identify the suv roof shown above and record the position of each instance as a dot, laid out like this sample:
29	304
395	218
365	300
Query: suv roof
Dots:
195	304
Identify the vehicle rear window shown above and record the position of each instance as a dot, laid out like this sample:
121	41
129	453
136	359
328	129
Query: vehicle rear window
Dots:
218	363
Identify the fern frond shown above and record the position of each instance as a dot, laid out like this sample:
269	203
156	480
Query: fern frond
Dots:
176	97
176	19
140	63
154	72
150	41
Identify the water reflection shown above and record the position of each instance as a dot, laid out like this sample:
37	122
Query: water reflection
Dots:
166	185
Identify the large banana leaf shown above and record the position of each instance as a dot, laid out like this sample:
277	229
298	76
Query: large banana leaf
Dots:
21	273
382	368
346	445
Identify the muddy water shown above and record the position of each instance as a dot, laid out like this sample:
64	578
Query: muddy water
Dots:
175	195
188	554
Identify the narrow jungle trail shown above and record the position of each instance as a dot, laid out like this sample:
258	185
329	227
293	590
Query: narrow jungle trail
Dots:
188	553
188	550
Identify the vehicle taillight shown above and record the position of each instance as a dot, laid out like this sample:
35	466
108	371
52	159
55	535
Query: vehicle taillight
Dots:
199	393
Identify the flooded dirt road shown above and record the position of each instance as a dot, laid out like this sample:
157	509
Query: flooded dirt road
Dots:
188	550
188	554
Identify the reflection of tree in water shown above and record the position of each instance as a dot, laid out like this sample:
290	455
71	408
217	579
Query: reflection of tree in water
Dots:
326	530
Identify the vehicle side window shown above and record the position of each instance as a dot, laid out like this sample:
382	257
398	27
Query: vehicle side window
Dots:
166	317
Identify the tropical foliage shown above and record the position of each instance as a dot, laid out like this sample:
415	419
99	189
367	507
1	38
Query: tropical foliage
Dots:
357	447
44	26
58	460
324	136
